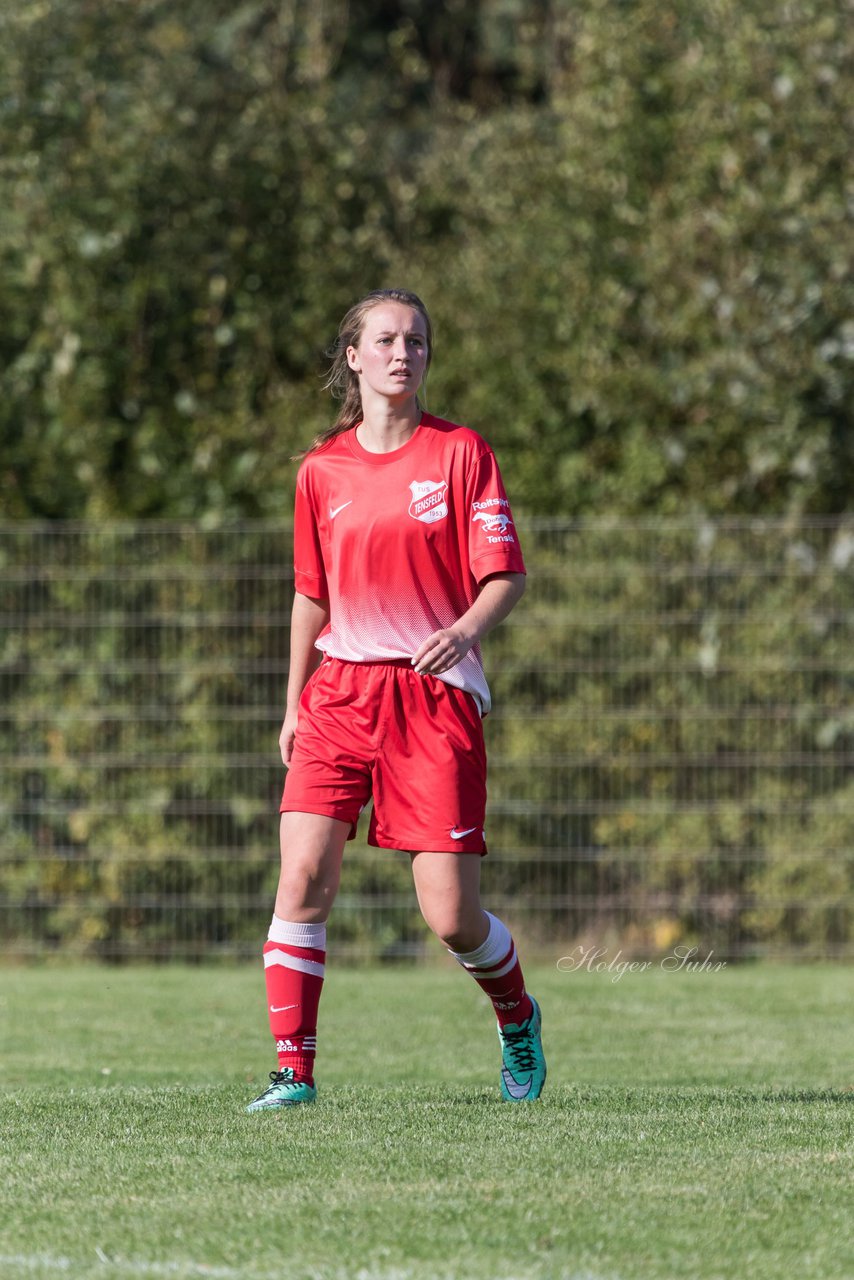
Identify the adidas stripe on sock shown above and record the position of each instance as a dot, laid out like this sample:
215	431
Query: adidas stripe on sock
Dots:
294	968
495	968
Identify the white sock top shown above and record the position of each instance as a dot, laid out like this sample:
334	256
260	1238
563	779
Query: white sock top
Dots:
494	948
297	935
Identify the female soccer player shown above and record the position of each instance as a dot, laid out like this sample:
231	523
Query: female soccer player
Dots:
405	555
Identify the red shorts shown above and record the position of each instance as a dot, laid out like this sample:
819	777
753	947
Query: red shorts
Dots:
413	742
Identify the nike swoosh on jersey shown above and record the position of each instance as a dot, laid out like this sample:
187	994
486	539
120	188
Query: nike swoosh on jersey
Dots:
458	835
333	514
514	1088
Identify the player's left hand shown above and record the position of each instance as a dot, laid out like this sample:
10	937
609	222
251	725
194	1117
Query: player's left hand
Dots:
440	652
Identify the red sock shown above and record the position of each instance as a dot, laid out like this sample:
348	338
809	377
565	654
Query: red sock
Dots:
495	968
294	965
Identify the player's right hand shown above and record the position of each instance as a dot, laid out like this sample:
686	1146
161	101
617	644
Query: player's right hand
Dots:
287	736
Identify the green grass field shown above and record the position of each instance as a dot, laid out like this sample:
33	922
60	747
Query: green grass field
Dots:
693	1125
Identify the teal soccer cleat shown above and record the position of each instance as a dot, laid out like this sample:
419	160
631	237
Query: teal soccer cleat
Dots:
283	1091
523	1071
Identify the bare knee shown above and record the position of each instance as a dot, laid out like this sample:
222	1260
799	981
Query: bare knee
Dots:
306	890
448	888
311	851
459	930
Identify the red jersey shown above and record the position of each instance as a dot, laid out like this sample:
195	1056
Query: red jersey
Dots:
398	542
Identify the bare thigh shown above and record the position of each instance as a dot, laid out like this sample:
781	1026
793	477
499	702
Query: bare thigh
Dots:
312	848
448	889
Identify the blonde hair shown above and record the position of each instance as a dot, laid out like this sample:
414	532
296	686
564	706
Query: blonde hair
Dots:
343	381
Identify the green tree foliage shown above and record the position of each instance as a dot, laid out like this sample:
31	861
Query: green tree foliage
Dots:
628	219
670	754
669	751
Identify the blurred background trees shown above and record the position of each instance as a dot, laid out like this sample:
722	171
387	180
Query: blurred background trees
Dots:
630	221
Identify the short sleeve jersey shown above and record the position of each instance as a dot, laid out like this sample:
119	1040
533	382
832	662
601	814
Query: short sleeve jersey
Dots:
399	542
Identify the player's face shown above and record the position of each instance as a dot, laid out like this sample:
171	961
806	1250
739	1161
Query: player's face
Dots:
391	354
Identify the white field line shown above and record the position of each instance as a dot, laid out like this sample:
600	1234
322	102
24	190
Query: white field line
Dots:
102	1265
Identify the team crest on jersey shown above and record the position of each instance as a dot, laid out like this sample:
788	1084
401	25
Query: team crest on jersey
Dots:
429	500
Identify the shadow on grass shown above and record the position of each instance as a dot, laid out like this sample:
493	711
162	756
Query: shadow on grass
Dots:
845	1095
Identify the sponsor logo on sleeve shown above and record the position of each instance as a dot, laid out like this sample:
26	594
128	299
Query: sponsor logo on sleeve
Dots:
429	500
494	523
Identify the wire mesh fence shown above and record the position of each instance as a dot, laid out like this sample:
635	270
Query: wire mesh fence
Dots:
670	749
